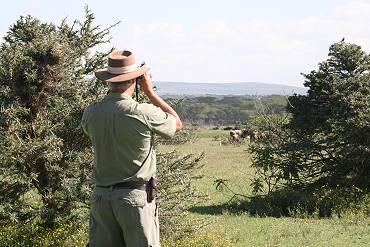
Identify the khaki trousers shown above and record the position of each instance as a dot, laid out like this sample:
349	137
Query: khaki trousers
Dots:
122	217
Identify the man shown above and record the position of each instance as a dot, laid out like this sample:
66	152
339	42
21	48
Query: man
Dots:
123	211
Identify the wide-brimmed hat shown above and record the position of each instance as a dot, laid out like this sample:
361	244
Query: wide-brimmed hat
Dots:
121	67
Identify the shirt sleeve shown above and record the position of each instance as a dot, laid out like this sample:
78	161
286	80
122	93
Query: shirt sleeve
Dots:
84	120
160	122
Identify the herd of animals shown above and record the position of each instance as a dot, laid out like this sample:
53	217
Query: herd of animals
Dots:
248	134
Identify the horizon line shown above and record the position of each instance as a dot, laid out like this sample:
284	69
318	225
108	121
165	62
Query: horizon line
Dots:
267	83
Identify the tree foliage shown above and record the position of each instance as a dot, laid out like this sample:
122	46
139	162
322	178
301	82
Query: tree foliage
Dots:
323	144
44	87
45	159
176	192
333	120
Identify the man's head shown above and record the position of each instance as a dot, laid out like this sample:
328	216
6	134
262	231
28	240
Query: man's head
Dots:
121	68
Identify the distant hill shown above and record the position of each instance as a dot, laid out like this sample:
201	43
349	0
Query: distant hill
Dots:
227	110
240	88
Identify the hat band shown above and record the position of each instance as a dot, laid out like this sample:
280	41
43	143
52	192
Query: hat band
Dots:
122	70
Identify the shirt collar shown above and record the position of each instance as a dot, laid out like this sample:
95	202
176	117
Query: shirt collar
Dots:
117	96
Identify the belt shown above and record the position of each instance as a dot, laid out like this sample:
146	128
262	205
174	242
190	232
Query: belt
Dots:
126	185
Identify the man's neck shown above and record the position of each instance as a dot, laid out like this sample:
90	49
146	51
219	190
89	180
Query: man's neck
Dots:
122	91
128	91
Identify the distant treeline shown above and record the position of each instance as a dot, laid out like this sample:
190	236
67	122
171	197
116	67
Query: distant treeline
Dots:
226	110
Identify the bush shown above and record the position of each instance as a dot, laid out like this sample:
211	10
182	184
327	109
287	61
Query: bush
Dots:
44	86
45	159
176	192
33	235
316	158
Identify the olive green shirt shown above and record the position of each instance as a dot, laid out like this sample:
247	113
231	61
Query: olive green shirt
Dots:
121	131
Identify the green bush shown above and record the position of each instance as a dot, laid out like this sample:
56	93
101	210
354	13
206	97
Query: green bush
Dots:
176	192
45	159
33	235
315	160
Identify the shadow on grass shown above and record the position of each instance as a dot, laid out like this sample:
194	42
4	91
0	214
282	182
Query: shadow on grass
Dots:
290	203
255	207
278	204
210	210
259	206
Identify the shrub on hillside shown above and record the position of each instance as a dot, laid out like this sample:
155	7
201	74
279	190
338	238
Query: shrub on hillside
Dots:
320	149
176	192
45	159
33	235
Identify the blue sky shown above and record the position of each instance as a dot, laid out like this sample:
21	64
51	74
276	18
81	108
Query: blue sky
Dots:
217	41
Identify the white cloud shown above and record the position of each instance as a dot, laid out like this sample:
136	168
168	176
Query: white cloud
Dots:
257	50
34	1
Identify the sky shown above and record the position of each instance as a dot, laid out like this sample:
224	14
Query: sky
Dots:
216	40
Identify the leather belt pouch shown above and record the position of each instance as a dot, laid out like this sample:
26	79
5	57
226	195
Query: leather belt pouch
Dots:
151	189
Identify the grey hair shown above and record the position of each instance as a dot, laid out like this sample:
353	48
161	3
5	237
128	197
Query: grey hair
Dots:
117	86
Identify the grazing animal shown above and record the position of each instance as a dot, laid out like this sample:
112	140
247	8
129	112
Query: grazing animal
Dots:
249	134
235	135
257	135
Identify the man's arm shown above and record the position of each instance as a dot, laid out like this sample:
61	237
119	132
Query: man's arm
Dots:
147	87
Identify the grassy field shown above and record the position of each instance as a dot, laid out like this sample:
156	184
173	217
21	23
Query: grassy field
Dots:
232	163
226	227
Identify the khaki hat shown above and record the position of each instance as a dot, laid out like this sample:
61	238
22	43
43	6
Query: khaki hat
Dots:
121	67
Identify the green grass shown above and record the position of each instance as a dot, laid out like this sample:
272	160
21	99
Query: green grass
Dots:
227	229
232	163
245	230
211	133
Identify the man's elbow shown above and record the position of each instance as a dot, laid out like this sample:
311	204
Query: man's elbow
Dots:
178	125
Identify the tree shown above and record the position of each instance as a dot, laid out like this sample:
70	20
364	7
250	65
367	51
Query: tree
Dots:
333	120
324	142
44	87
45	159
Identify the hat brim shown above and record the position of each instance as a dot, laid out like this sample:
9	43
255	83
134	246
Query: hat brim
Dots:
104	75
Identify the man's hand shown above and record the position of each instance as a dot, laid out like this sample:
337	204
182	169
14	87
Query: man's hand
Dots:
146	83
